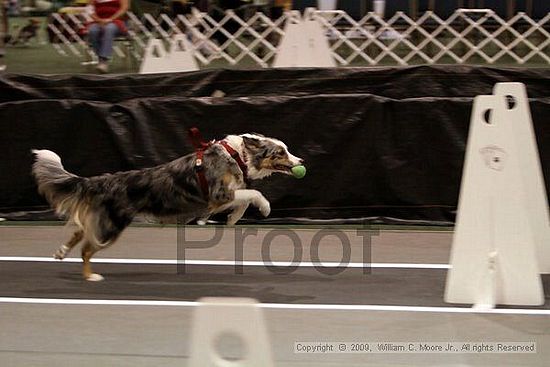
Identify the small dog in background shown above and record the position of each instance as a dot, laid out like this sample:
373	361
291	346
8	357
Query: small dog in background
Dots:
211	180
24	34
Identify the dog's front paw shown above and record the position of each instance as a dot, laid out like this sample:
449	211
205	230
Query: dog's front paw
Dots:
265	207
233	218
235	215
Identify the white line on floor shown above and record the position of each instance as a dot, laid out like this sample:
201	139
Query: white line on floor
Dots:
319	307
305	264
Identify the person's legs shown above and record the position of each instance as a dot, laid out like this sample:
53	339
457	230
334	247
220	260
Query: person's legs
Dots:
94	35
110	32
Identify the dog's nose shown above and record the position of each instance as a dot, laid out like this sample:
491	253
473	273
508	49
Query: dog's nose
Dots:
301	160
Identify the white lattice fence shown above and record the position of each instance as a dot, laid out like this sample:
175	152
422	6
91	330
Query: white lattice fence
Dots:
467	36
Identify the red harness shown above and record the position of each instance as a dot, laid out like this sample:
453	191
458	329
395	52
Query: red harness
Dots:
200	146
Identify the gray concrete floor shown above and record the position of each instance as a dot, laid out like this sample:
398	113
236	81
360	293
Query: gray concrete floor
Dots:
162	243
108	335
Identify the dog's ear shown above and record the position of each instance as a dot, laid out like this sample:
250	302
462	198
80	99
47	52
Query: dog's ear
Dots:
252	143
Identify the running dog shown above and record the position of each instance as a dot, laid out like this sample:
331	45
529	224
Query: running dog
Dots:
211	180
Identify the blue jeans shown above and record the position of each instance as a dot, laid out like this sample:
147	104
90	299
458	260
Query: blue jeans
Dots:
101	38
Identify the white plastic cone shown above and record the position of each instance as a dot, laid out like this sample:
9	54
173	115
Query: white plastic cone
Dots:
304	44
237	318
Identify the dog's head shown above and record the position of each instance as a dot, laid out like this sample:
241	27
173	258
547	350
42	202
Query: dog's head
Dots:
267	155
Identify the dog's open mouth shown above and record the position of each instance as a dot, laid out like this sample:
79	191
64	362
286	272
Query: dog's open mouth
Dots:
283	168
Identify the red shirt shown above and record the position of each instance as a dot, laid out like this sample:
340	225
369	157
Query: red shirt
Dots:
106	8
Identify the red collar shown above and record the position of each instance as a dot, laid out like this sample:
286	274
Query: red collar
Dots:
235	155
200	146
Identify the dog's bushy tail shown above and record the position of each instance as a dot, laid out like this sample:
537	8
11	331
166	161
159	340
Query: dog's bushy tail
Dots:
62	189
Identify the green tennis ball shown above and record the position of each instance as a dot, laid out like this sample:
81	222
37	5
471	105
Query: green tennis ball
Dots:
299	171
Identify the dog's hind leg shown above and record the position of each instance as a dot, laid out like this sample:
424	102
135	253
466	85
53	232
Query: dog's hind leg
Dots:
66	248
101	230
88	250
91	246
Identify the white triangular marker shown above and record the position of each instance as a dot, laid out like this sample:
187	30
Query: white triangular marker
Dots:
154	57
181	54
235	318
179	58
494	253
520	116
304	44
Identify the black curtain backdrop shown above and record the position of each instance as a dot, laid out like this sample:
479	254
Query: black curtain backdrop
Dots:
381	144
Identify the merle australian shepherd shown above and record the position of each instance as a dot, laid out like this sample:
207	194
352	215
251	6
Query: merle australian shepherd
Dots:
191	187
